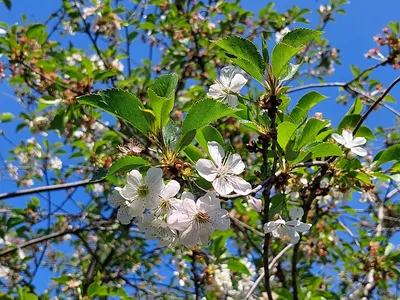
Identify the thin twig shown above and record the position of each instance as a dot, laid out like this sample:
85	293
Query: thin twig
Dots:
46	188
350	233
272	263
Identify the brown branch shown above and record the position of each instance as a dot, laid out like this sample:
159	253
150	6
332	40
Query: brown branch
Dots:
46	188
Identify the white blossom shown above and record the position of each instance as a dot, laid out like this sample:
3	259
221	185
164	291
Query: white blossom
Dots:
141	193
2	31
281	228
167	201
232	79
222	171
156	229
280	34
196	221
255	203
55	163
347	140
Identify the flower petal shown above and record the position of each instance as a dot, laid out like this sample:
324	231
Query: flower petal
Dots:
338	138
226	75
190	237
302	227
154	178
237	83
129	192
255	203
359	151
358	141
134	178
179	220
293	234
239	185
296	213
208	202
136	208
222	186
347	136
115	199
216	91
123	216
234	164
232	100
206	169
205	232
170	190
220	219
187	195
217	153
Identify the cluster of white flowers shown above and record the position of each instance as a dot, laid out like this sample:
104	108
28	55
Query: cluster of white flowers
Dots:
281	228
186	221
232	80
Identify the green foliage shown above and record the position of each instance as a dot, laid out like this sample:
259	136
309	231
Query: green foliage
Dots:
121	104
309	100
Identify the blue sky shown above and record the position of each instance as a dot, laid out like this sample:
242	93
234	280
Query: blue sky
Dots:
352	33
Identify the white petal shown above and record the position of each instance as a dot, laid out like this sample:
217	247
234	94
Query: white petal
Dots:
232	100
239	185
222	186
136	208
359	151
187	195
217	153
226	75
338	138
129	192
179	220
347	136
154	178
170	190
2	31
208	202
151	201
123	216
302	227
296	213
134	178
205	232
358	141
220	219
255	203
115	199
206	169
270	226
190	237
294	236
237	83
216	91
235	164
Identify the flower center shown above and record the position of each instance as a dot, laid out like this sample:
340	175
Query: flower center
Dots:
202	218
143	191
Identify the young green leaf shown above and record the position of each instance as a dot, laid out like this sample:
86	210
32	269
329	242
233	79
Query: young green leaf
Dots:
204	112
161	95
121	104
285	133
281	55
208	134
300	111
126	164
300	36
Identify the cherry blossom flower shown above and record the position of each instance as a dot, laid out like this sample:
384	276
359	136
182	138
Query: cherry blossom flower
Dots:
281	228
167	201
222	171
196	221
347	140
55	163
232	79
156	229
280	34
255	203
2	31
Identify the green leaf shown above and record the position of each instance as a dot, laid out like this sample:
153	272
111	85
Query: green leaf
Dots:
121	104
300	36
162	95
285	132
7	3
325	149
281	55
126	164
34	30
243	50
265	52
208	134
390	154
300	111
170	131
185	140
364	131
290	72
236	266
309	133
349	122
193	153
6	117
276	206
356	108
204	112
